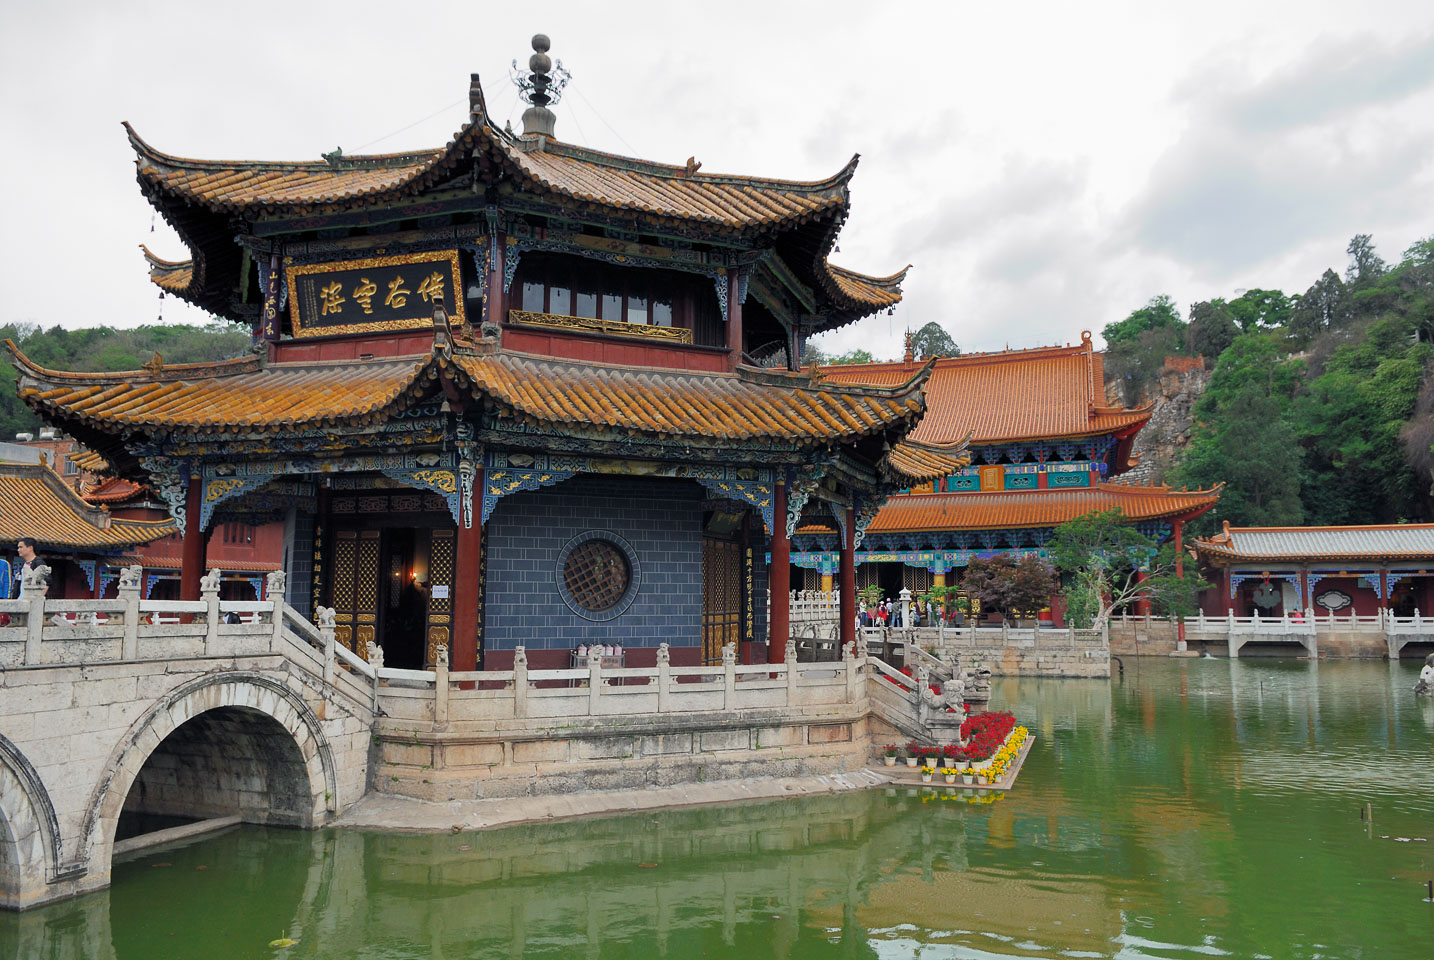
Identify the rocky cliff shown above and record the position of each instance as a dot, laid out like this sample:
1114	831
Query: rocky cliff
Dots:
1160	444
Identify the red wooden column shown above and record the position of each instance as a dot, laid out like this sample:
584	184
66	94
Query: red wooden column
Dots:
467	583
192	554
1142	601
847	582
734	322
1383	587
779	580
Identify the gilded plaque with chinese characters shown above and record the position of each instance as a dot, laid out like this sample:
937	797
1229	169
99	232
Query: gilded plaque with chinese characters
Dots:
374	295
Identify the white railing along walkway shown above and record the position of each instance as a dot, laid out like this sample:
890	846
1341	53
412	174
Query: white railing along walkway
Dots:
1304	624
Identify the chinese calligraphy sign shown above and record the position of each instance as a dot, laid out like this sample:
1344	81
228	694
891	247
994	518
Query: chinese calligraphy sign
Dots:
376	294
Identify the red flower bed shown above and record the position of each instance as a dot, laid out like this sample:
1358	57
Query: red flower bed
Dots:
985	732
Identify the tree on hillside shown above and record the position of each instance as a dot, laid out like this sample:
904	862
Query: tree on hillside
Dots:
1365	266
932	340
1244	436
1009	587
1159	313
1211	329
1102	558
100	349
1323	307
1136	364
1351	419
1257	309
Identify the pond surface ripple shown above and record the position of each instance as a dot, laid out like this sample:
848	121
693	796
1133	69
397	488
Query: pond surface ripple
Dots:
1188	809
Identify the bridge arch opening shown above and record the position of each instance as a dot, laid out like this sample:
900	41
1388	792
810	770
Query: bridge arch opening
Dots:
29	832
231	760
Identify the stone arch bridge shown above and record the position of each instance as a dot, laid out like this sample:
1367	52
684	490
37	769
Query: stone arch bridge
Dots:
117	712
108	712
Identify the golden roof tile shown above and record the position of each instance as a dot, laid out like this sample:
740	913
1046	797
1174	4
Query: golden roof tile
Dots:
246	396
37	502
1012	509
230	395
1043	393
748	405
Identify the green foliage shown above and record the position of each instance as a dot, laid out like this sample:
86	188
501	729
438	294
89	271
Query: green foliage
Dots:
1342	432
1102	557
932	340
1261	309
107	349
1323	307
949	596
1244	436
1008	586
815	356
870	595
1136	364
1159	313
1212	328
1365	266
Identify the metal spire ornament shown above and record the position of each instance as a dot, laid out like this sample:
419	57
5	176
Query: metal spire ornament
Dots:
541	87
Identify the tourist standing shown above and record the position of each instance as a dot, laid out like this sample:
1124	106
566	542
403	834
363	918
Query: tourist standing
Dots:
29	562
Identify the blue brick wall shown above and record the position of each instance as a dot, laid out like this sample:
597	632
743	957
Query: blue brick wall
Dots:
661	519
299	592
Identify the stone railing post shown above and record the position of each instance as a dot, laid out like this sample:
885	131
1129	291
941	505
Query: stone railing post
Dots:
1005	631
848	655
791	673
209	593
729	675
129	594
374	655
32	589
520	681
440	686
664	677
325	619
594	678
274	590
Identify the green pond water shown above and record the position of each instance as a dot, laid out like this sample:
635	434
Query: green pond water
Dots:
1194	808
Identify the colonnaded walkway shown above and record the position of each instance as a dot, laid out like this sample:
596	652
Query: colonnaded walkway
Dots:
115	710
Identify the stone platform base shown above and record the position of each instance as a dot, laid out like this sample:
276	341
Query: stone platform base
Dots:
460	765
403	814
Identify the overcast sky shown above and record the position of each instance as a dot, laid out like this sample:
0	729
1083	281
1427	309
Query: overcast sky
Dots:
1046	168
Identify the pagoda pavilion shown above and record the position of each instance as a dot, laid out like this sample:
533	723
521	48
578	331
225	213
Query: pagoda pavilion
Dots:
1278	571
1045	448
504	391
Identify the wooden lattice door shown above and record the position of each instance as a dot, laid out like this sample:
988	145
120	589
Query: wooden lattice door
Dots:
721	596
355	588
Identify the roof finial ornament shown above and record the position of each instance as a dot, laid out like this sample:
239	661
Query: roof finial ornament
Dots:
541	86
910	348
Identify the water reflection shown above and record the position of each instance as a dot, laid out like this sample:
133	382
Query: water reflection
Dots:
1189	809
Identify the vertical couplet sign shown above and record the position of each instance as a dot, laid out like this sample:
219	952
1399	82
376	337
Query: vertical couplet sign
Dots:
374	295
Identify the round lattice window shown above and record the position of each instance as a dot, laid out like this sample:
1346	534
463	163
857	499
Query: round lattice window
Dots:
598	575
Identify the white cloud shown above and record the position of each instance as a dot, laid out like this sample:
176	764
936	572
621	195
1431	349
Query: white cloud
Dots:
1046	167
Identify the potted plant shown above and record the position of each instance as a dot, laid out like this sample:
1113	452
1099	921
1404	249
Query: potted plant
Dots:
968	776
913	753
949	773
926	773
889	752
